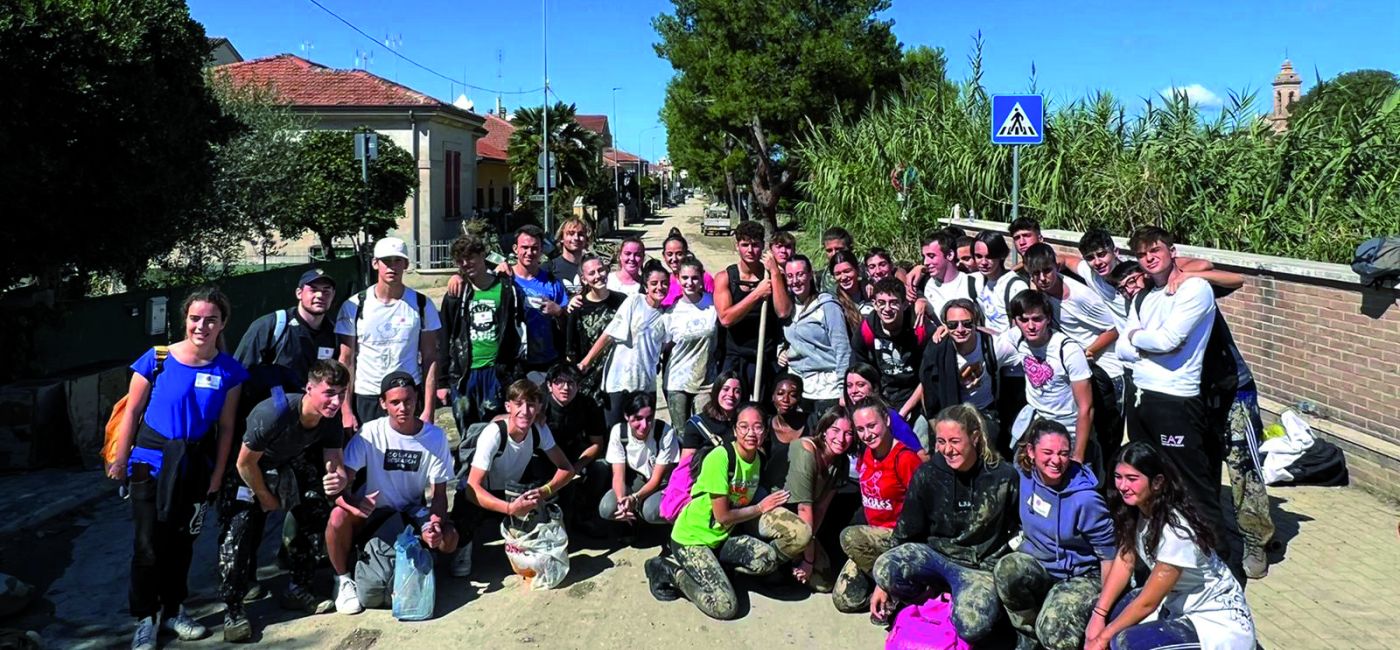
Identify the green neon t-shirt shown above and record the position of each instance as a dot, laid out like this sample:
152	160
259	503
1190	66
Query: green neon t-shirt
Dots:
696	525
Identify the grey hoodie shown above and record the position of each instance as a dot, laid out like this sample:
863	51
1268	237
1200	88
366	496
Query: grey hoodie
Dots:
817	337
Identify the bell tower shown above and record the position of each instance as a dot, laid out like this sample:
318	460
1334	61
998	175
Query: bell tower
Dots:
1287	88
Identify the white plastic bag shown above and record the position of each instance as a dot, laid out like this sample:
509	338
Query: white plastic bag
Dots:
1280	452
541	555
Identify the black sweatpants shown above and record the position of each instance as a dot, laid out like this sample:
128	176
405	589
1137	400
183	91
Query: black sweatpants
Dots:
160	562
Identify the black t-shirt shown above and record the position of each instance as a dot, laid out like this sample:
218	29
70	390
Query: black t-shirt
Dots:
574	424
741	338
897	357
283	360
587	322
693	438
565	271
278	433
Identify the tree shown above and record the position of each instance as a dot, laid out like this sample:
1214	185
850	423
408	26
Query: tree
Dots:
758	70
107	139
334	202
575	151
1347	97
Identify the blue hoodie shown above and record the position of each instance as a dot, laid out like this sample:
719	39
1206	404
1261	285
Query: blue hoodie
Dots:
1068	530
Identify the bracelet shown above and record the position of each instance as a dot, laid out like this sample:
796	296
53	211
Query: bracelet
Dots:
1101	612
547	490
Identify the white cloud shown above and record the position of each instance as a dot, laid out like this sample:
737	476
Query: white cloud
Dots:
1198	94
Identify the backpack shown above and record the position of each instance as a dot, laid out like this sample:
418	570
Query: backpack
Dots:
677	494
928	626
1377	261
466	450
657	426
114	422
360	315
1220	376
1106	415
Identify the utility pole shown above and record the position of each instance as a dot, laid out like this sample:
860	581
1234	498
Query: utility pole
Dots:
617	168
544	116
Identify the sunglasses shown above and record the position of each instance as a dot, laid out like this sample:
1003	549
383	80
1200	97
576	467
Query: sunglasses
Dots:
958	324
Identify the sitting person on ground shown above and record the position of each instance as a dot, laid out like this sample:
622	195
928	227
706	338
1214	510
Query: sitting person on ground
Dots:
1190	600
576	422
274	473
885	470
959	514
723	526
816	467
403	458
714	424
1049	584
641	450
517	453
863	381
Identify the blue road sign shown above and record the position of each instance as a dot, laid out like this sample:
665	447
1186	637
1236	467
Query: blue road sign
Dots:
1018	119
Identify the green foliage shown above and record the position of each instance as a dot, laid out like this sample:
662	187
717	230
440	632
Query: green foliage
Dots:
332	200
108	127
575	151
1344	95
750	74
1225	182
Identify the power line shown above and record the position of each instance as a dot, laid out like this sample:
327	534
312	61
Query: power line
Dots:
416	64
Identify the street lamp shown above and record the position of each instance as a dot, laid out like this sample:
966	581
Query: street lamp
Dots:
617	168
639	160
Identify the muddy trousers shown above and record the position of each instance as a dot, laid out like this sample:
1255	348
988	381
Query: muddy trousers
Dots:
862	545
1053	611
777	538
1175	633
241	530
911	571
160	563
1251	499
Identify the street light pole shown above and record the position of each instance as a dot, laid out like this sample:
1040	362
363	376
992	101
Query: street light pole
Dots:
617	168
544	136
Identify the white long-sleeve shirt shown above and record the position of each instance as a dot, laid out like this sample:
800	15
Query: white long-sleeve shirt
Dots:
1166	338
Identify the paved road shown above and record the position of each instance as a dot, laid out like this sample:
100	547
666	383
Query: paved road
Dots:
1335	585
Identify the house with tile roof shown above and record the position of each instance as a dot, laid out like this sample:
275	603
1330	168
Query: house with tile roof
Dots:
494	190
442	138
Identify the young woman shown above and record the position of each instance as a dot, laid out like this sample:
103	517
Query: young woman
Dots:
704	538
674	251
1049	584
816	467
635	335
885	470
1000	286
960	366
641	450
1191	596
590	311
818	343
786	426
172	449
959	514
627	279
844	268
690	334
863	381
714	424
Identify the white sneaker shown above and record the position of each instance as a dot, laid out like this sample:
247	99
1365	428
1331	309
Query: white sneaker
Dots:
462	561
145	636
183	626
347	601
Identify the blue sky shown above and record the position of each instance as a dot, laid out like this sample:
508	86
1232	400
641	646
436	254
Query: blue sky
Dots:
1132	49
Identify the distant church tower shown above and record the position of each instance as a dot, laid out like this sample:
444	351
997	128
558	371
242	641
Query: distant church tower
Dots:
1287	89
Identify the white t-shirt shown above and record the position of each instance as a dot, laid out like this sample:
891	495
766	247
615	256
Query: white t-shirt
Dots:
1049	380
941	293
1167	338
1206	593
1115	301
978	391
690	328
1083	316
615	283
638	331
642	455
401	468
511	464
388	336
994	297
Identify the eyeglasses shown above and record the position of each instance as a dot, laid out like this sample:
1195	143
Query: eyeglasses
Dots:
958	324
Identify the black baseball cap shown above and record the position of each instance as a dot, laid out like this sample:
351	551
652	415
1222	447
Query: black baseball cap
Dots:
315	275
396	379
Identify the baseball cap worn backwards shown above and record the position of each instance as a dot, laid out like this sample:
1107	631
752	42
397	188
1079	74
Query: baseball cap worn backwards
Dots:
396	379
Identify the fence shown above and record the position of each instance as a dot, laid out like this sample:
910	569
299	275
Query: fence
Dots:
436	255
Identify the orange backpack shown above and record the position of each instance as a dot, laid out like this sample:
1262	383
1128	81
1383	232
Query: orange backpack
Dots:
114	423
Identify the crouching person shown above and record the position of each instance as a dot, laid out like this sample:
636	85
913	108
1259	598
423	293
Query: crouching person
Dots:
402	457
641	450
703	541
958	516
275	474
1049	584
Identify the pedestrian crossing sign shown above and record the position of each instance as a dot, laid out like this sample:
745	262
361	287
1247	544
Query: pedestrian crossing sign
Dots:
1018	119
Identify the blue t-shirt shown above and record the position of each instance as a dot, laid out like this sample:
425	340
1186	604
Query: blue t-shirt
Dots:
539	328
185	402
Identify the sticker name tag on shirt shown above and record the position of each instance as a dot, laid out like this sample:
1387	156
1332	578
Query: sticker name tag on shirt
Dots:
1040	506
206	380
402	460
245	495
324	353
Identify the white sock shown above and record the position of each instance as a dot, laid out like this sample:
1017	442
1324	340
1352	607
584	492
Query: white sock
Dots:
344	578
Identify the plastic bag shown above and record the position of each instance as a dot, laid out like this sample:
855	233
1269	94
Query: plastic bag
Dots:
926	627
540	555
415	589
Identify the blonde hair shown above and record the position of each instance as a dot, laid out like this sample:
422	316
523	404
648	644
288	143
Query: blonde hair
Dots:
970	419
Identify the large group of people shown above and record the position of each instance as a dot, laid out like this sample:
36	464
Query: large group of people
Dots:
877	431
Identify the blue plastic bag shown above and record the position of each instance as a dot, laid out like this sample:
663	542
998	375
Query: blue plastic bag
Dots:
415	589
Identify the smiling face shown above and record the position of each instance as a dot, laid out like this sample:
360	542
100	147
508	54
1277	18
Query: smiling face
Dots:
730	395
1050	454
673	253
520	414
594	274
325	399
1035	326
955	445
872	427
1135	487
837	437
203	323
630	258
960	324
877	268
527	251
692	281
846	276
965	259
1132	284
575	238
889	308
640	423
799	278
857	387
785	397
316	298
1102	261
657	284
748	430
935	260
473	265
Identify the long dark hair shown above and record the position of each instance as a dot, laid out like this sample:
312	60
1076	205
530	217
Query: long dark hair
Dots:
868	373
711	407
1171	504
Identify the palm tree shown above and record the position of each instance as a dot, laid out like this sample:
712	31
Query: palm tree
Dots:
575	151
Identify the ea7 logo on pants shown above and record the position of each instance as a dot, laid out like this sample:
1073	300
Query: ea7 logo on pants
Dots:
1173	441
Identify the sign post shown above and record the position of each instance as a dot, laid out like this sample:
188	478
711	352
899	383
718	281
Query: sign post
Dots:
1017	120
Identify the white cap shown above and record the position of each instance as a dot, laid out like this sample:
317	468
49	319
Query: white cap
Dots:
390	247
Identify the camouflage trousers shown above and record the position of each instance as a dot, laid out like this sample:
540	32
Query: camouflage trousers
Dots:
241	525
910	572
776	538
862	545
1053	611
1251	500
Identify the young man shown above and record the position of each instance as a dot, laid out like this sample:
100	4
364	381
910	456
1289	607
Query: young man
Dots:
280	347
386	328
1057	373
834	239
403	458
967	263
545	298
274	473
939	280
481	337
574	236
890	340
1024	232
1165	341
783	246
742	292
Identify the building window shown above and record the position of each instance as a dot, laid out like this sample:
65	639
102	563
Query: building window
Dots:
480	199
452	199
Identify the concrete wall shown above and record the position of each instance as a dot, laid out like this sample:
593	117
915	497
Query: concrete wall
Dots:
1311	332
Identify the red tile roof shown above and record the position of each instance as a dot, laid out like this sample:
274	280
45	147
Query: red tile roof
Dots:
618	156
300	82
595	123
496	143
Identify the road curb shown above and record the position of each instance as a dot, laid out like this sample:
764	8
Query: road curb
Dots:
93	486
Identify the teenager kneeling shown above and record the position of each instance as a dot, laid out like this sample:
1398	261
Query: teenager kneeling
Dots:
641	450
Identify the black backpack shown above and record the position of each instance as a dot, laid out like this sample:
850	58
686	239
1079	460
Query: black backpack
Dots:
1220	372
1377	261
467	448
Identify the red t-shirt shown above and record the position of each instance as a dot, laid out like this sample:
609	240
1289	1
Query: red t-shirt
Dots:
883	483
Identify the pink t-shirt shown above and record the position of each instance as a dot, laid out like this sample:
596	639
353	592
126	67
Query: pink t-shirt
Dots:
675	293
